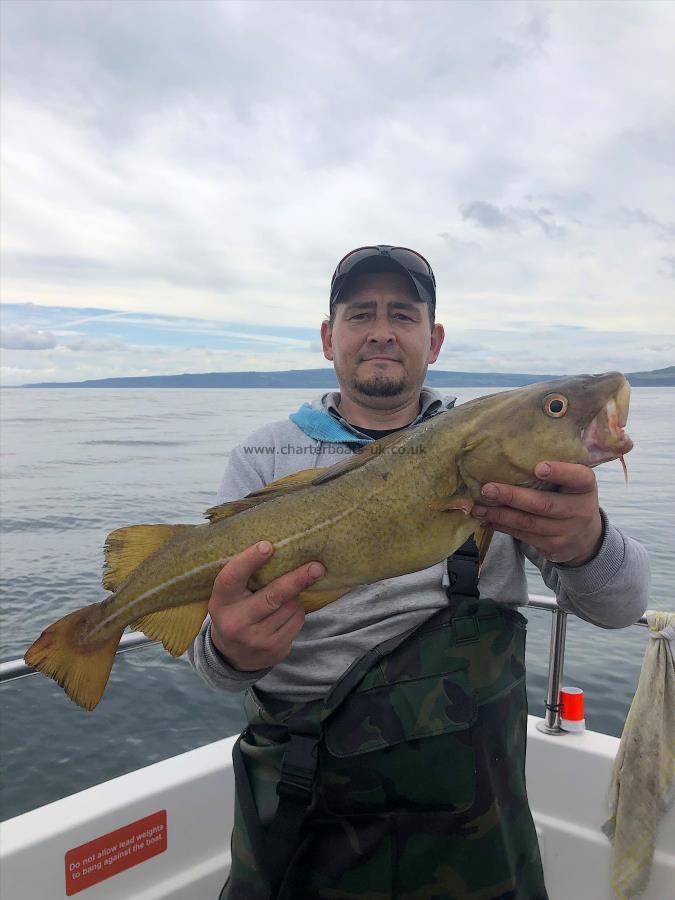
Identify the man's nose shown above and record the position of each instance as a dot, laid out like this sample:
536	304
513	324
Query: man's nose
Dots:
381	331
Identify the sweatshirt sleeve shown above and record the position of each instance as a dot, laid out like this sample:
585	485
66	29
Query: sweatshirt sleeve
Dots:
246	471
610	590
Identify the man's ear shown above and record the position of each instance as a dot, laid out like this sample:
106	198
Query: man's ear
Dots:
437	338
327	339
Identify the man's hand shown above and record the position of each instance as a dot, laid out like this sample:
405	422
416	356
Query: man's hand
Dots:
565	527
256	630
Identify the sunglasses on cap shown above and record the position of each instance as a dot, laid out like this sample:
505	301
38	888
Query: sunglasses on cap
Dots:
413	263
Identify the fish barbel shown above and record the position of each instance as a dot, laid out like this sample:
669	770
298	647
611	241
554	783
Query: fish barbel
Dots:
399	505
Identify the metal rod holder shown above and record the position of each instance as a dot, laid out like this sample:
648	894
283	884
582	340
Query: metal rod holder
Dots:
556	663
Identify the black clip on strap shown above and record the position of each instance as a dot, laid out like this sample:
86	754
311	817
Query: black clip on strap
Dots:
299	768
463	571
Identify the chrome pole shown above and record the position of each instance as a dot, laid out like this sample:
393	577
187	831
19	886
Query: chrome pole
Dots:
543	601
556	662
17	668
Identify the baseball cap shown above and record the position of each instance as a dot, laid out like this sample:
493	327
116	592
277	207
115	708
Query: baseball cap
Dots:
383	258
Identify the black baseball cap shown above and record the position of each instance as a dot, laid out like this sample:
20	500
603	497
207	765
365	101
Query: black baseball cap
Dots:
385	258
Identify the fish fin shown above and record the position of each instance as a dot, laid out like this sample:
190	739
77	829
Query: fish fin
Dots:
81	667
126	548
176	627
358	459
286	485
461	500
313	600
482	536
227	510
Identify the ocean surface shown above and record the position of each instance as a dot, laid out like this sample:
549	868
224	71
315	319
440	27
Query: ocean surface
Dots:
76	464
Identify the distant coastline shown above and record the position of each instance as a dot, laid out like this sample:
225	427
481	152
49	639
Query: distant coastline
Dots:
325	378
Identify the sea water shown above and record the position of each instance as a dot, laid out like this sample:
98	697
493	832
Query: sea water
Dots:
76	464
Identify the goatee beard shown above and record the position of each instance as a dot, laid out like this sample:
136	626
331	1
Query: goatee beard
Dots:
379	387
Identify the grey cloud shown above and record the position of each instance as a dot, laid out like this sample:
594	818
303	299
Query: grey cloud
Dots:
452	347
486	215
571	203
458	244
23	337
86	345
550	229
567	327
537	28
509	56
670	262
59	267
527	41
546	350
491	217
655	143
637	216
180	259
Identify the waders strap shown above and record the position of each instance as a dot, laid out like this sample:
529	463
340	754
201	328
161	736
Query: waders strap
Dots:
295	791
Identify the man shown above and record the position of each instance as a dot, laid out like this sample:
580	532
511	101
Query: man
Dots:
353	780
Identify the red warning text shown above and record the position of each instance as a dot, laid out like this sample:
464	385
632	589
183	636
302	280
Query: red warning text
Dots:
114	852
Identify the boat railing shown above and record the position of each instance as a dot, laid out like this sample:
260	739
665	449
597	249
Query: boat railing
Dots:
13	669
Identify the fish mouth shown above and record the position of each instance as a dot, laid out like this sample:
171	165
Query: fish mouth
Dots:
604	437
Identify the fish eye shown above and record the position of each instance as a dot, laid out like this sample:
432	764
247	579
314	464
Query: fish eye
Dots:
555	405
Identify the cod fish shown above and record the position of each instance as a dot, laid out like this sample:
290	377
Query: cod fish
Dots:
399	505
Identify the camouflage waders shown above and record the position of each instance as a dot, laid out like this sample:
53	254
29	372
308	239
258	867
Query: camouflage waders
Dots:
406	782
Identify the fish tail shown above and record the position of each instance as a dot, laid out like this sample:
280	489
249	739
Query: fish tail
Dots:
71	653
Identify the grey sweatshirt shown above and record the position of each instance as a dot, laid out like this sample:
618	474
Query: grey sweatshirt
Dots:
611	590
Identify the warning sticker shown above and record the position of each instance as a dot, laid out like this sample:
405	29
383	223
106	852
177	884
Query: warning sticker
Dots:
114	852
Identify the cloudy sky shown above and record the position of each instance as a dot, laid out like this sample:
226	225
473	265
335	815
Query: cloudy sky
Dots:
180	178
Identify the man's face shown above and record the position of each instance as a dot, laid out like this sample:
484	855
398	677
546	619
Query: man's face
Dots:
381	340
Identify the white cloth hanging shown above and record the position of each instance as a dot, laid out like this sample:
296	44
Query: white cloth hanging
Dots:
643	778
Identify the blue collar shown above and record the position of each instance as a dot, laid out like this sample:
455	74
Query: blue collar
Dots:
319	424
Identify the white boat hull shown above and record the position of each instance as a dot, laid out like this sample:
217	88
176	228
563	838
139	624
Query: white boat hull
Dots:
567	777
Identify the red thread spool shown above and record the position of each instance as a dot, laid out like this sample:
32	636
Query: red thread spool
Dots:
572	709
